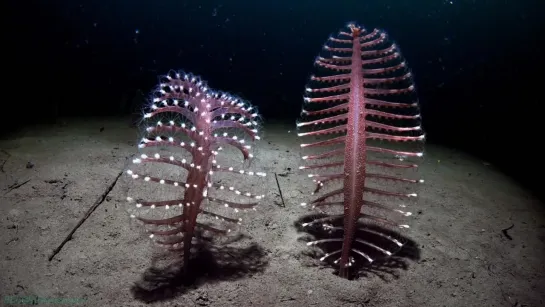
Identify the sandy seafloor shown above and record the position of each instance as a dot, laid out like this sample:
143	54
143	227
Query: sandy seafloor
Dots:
465	259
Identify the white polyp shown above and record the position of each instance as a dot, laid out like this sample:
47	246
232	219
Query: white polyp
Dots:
171	158
151	236
421	180
171	139
193	128
162	181
248	194
192	164
132	216
167	207
303	204
182	144
129	199
230	169
226	205
257	137
237	192
147	178
412	195
175	184
134	176
251	173
231	188
404	213
187	185
192	144
157	156
305	157
158	138
129	172
403	226
194	185
147	115
152	206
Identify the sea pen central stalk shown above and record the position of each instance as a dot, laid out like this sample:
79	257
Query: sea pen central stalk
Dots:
354	165
199	176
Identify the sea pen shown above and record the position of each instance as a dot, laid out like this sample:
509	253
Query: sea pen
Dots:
363	103
181	186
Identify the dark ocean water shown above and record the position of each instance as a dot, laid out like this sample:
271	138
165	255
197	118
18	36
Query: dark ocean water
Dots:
477	64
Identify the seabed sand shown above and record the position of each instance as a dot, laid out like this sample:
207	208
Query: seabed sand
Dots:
465	259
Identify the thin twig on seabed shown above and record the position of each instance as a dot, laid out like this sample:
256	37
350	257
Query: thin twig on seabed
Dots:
16	186
279	190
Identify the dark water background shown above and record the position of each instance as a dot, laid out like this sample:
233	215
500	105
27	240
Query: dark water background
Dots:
478	65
